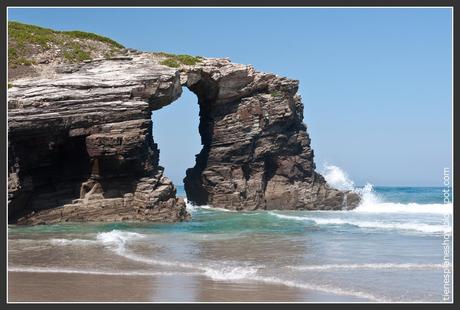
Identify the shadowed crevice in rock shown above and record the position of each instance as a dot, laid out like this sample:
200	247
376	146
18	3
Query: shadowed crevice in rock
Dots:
63	165
206	91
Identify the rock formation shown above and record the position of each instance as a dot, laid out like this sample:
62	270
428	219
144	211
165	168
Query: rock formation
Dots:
256	151
80	145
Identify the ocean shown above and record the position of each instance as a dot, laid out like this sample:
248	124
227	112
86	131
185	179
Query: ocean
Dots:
389	249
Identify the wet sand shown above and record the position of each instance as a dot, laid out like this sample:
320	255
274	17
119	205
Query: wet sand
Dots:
65	287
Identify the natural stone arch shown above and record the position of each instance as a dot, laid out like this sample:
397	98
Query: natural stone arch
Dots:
256	152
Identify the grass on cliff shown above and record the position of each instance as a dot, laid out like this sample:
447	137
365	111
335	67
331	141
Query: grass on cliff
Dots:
276	93
175	61
24	41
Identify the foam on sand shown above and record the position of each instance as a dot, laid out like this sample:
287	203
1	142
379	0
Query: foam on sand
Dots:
143	273
61	241
376	266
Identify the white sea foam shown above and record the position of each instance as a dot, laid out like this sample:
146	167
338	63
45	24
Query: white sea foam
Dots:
189	206
34	269
206	207
420	227
337	178
390	207
63	242
150	261
192	208
118	236
410	226
250	213
320	288
117	239
290	217
371	203
377	266
228	273
218	272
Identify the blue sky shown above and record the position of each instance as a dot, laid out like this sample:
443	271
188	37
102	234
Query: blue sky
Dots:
376	83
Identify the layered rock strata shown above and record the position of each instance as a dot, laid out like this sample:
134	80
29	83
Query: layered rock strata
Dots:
256	151
80	145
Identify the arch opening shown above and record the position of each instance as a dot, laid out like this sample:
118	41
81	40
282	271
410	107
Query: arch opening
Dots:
176	131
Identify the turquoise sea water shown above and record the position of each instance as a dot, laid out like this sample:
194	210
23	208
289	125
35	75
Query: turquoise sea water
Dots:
389	249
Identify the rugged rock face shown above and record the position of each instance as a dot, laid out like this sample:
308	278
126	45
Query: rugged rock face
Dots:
256	151
80	144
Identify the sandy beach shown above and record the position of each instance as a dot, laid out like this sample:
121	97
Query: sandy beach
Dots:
64	287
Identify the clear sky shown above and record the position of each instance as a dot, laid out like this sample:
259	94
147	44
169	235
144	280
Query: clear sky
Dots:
376	83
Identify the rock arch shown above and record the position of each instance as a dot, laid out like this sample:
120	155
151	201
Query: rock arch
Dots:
256	152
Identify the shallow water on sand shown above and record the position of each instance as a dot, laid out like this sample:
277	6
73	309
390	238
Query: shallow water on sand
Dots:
388	249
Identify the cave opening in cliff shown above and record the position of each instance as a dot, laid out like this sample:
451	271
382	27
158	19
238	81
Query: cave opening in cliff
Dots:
73	161
176	131
56	169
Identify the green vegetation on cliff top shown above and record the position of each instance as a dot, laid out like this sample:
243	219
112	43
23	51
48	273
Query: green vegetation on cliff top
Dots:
30	44
26	40
174	61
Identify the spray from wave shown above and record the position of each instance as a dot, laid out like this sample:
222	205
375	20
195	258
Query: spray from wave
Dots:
371	202
337	178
